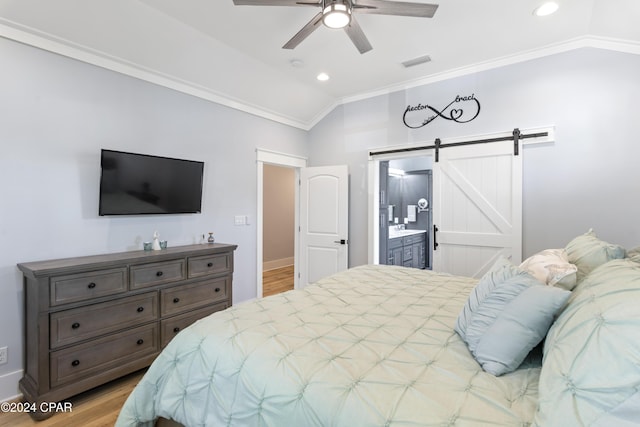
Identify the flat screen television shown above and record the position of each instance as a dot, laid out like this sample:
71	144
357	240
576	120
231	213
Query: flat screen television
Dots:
140	184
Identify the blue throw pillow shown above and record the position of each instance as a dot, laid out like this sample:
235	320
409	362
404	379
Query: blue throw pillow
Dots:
507	315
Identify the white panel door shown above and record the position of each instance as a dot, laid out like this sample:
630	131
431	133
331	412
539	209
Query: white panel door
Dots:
477	204
324	225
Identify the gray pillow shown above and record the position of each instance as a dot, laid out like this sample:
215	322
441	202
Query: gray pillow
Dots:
506	316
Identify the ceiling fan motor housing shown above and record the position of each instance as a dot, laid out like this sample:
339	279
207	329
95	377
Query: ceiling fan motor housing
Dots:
336	13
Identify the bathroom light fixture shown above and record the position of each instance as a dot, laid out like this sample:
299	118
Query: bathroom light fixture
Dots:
336	15
323	77
395	172
546	9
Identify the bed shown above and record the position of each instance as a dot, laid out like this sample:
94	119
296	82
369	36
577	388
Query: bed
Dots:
378	346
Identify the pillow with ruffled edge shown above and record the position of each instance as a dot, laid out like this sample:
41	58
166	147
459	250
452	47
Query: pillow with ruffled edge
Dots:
501	270
506	316
588	252
552	267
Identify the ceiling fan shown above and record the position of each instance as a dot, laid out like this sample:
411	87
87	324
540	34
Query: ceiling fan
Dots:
339	14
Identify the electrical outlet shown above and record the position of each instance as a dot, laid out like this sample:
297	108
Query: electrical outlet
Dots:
3	355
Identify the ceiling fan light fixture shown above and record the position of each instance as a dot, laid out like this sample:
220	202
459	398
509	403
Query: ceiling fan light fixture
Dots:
336	15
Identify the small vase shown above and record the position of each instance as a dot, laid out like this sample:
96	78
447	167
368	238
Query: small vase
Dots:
156	241
211	239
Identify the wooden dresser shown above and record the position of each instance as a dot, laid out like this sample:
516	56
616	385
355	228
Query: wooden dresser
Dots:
89	320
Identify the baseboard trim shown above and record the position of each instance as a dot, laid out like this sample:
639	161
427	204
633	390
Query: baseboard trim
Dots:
9	386
277	263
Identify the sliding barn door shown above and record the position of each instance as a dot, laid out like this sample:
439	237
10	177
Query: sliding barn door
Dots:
477	207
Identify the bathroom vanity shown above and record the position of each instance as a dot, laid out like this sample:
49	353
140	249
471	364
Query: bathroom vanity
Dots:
407	248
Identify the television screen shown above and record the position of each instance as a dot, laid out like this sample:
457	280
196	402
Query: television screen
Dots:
139	184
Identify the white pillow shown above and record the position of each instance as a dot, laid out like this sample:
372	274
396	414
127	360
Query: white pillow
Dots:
552	267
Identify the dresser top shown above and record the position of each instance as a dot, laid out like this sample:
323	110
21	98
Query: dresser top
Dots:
58	266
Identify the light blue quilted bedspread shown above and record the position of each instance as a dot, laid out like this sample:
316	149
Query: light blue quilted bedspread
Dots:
372	346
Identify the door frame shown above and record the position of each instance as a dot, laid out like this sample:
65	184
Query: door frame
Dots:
374	192
413	150
283	160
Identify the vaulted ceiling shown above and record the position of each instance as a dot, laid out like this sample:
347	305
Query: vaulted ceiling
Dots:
233	54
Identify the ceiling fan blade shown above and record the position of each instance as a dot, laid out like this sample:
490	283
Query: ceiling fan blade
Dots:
401	8
304	32
357	36
276	3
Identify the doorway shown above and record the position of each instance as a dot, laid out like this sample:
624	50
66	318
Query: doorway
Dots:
406	218
321	218
264	159
477	200
278	247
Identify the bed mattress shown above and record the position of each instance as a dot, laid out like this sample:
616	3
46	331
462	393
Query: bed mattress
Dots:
371	346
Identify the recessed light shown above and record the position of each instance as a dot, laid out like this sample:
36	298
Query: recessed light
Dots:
323	77
546	9
297	63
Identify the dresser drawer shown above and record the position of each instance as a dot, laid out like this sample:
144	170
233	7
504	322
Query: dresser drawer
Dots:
158	273
71	326
100	355
84	286
187	297
171	326
210	264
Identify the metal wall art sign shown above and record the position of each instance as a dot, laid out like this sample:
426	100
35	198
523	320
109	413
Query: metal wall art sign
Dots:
462	109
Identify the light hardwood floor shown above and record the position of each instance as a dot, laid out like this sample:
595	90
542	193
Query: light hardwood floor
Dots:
100	407
277	280
95	408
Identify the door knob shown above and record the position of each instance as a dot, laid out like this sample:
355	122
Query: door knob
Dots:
341	241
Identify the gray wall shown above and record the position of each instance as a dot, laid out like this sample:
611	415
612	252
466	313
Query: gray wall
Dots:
55	116
587	178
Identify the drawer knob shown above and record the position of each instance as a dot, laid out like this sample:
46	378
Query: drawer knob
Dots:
140	309
159	273
217	289
91	285
140	341
210	264
176	329
75	325
176	300
75	362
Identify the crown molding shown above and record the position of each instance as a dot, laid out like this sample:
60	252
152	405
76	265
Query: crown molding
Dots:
625	46
42	40
45	41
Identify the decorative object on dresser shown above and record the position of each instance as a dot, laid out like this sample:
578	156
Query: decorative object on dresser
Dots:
89	320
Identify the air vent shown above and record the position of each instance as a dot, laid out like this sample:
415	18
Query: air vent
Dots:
416	61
